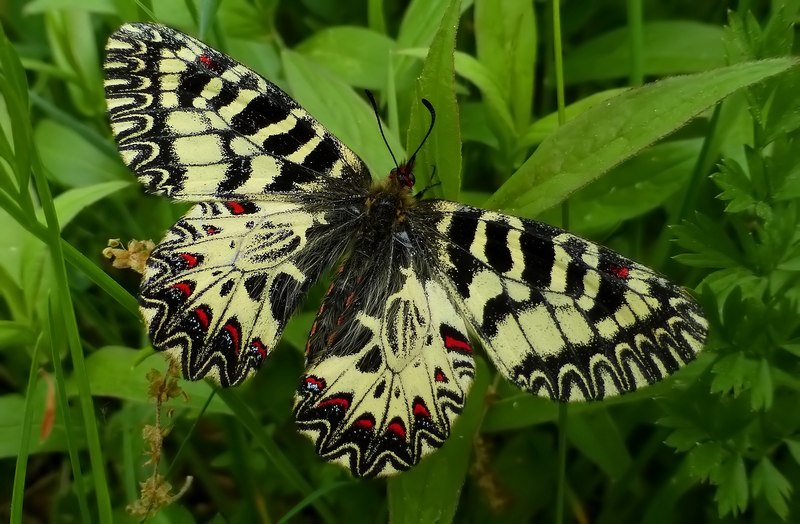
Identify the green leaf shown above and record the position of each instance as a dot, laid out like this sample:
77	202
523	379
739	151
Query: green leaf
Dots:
768	481
794	448
436	83
605	135
735	185
71	160
12	410
346	114
117	372
548	124
358	55
16	334
430	492
625	193
70	203
686	438
597	436
732	489
761	387
705	458
710	244
731	374
35	7
669	48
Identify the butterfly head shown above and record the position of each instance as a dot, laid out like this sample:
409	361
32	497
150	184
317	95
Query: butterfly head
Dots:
404	174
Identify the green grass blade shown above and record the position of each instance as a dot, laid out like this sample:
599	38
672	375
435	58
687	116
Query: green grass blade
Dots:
437	84
18	489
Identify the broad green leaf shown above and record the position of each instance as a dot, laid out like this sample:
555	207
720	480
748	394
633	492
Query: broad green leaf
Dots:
670	47
12	409
624	193
548	124
605	135
71	160
436	83
357	55
69	203
346	114
430	492
117	373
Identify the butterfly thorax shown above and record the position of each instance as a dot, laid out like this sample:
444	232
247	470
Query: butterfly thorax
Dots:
388	202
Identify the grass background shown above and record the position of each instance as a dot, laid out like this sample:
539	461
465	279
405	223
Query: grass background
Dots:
533	119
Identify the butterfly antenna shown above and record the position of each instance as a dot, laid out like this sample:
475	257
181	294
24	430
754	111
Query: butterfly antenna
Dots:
432	111
380	126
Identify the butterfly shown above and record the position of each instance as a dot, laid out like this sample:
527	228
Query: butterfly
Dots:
280	201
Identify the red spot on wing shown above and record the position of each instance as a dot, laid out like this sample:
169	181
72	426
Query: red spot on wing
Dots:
203	316
259	346
365	422
206	61
339	402
235	208
184	288
439	376
190	260
420	410
315	384
233	332
456	344
397	429
619	271
211	230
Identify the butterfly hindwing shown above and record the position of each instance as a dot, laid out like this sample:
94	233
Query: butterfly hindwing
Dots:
389	364
218	290
194	124
560	316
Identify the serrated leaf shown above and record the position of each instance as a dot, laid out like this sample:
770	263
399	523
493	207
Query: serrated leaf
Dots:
684	439
736	187
732	488
731	374
761	388
704	460
768	481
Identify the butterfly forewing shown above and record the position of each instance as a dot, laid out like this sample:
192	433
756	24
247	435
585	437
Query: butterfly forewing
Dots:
196	125
560	316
